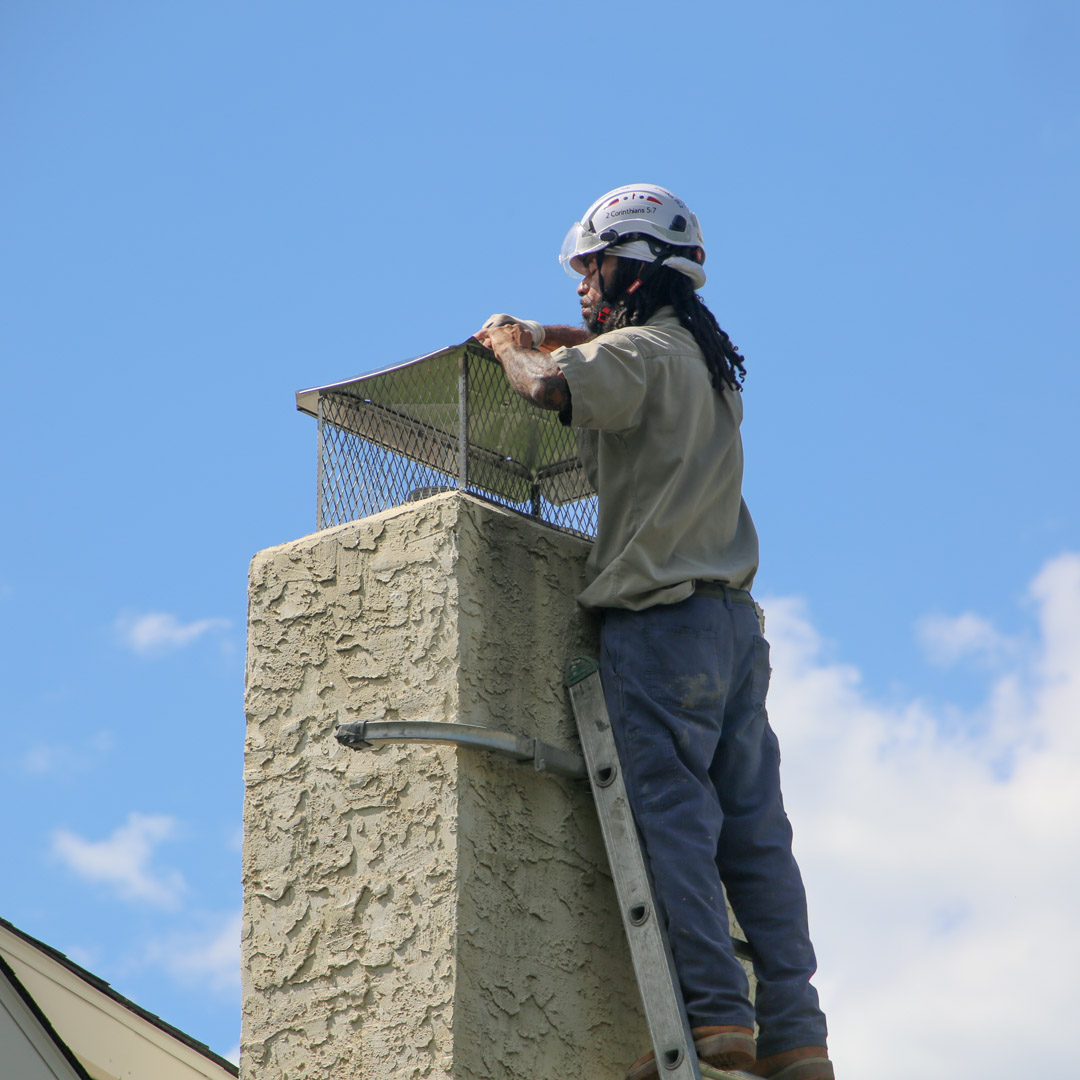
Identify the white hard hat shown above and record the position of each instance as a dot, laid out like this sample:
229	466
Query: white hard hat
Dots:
644	222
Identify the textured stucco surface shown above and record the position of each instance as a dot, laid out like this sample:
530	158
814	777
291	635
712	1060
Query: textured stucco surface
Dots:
422	911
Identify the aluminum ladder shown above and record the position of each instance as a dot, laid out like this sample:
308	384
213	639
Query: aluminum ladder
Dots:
654	968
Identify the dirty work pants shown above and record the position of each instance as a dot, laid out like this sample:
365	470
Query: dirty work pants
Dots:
685	688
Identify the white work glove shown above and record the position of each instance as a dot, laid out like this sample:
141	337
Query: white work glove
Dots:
534	328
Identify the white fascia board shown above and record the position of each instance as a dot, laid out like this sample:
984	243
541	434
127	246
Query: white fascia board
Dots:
111	1041
29	1051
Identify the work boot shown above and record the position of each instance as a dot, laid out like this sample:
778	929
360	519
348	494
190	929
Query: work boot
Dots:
802	1063
727	1046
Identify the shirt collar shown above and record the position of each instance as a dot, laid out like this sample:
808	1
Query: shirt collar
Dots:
663	316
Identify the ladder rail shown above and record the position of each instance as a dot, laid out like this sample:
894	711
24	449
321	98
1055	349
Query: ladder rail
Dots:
650	952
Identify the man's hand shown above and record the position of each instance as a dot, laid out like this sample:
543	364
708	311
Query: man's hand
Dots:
548	338
504	320
496	337
531	372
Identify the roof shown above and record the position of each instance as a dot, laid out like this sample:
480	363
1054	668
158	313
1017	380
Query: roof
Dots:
97	1022
31	1046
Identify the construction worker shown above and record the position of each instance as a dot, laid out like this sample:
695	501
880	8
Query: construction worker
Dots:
652	386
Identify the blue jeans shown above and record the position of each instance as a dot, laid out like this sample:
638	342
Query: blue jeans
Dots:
685	687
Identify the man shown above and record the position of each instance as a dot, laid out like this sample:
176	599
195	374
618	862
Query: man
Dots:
652	384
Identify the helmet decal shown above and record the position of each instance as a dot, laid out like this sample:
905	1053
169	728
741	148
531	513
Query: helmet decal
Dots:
635	195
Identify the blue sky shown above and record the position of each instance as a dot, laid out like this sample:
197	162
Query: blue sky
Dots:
204	207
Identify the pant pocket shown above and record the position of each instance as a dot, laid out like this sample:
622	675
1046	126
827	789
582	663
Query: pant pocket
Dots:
680	669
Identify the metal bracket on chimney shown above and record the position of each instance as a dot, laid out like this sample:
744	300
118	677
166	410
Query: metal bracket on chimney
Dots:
363	735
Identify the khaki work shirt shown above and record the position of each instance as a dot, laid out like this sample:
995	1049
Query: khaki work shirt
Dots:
663	451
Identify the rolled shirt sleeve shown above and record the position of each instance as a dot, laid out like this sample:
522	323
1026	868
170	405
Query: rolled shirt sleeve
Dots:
608	383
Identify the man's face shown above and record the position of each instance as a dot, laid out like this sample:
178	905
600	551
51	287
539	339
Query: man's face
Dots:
589	286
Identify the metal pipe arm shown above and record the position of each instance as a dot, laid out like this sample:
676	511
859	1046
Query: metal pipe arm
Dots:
363	735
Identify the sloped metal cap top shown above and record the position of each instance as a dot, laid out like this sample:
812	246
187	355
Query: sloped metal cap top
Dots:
514	449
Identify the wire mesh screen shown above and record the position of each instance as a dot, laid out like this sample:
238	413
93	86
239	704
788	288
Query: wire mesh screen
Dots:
442	422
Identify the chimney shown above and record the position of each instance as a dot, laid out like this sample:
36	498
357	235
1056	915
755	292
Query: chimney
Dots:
425	909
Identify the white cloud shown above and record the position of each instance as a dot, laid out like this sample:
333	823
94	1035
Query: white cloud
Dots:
949	638
122	861
159	632
210	958
942	869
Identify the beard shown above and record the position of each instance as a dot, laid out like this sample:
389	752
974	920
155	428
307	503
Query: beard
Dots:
589	316
615	281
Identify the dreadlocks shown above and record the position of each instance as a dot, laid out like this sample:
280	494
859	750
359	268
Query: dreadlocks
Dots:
660	287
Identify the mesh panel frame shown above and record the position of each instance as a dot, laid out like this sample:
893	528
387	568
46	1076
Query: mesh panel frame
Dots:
398	435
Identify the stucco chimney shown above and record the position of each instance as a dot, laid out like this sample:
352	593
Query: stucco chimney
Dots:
423	910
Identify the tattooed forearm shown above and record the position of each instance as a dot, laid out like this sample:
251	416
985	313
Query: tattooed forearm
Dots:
530	371
534	376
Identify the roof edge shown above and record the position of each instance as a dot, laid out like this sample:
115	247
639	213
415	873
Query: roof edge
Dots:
28	1000
101	985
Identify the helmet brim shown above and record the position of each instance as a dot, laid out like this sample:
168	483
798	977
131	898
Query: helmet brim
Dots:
580	242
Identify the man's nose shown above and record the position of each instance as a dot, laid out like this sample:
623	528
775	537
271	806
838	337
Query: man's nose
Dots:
583	287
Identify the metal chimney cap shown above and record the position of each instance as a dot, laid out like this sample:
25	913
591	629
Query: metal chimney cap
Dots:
419	409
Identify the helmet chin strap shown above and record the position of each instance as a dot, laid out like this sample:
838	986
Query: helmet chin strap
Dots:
604	313
646	273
